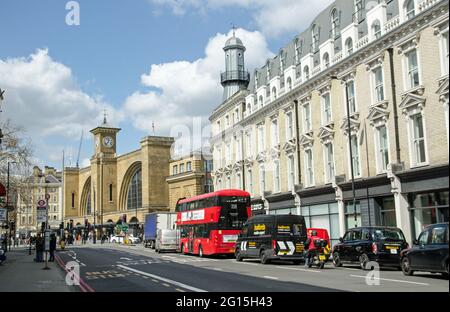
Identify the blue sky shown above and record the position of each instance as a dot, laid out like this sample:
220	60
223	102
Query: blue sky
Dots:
143	60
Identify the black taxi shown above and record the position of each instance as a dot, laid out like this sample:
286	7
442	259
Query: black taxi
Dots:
272	237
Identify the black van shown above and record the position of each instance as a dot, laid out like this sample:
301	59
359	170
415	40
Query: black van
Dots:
272	237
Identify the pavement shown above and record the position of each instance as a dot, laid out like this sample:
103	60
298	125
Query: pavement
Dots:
122	268
21	274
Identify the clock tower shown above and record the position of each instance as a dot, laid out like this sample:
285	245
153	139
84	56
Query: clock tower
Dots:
104	170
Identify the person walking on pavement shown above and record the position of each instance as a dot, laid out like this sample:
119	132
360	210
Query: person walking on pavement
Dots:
39	248
52	247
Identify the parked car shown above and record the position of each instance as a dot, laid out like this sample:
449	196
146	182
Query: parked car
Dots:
370	244
167	240
429	252
272	237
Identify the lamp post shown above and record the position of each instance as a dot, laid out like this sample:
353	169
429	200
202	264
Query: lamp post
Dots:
7	203
350	149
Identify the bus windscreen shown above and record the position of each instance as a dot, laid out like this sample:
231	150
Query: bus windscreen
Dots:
233	213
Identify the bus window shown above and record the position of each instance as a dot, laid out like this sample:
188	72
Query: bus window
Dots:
233	213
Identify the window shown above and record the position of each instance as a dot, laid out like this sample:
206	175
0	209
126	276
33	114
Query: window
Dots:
439	235
351	96
30	220
315	38
276	176
227	120
413	69
134	197
353	216
238	149
376	29
249	144
218	127
181	168
261	139
282	61
383	148
309	167
110	192
359	11
326	109
355	156
256	80
378	84
238	181
262	179
274	93
306	72
335	25
418	139
236	115
423	238
289	126
250	181
329	162
24	220
274	132
268	72
189	166
291	172
298	50
175	170
349	46
289	83
228	153
307	117
444	53
261	101
326	60
410	10
73	200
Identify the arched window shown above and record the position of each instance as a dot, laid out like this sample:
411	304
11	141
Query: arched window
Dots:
249	108
410	9
274	93
376	29
88	202
134	197
349	46
289	83
335	24
306	72
282	61
326	60
256	80
24	220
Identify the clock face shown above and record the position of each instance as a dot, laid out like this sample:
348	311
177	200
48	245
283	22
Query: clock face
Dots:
108	142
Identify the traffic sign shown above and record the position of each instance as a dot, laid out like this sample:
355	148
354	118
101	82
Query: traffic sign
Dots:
41	214
42	203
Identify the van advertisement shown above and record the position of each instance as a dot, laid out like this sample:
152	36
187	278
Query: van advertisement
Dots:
284	229
193	215
259	229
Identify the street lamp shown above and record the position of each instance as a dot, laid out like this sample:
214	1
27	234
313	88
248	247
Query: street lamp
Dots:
349	130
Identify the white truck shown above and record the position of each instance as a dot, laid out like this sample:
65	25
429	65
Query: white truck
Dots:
157	221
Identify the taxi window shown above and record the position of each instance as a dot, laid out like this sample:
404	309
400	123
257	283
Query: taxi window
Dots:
356	234
348	236
423	238
438	235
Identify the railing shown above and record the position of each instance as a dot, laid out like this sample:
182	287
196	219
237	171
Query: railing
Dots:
337	57
362	42
316	70
392	24
235	75
425	4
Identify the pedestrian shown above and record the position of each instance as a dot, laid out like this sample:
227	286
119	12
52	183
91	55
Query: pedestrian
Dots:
39	248
4	243
52	247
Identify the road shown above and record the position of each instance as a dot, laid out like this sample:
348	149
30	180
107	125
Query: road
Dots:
115	268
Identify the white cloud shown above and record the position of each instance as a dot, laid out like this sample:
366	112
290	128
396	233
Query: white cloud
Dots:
273	17
43	96
181	91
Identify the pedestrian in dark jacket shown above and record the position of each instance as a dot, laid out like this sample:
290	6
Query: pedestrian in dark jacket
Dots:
52	247
39	248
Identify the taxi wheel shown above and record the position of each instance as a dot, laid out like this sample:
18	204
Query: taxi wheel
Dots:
406	267
238	255
264	257
363	261
337	260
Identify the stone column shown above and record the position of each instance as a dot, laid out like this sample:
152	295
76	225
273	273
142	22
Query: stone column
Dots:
341	207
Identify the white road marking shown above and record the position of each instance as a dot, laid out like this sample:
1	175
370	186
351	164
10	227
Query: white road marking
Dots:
392	280
128	259
271	277
163	279
298	269
217	269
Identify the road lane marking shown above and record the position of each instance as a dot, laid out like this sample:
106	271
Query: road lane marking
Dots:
163	279
217	269
392	280
167	285
271	277
180	290
298	269
128	259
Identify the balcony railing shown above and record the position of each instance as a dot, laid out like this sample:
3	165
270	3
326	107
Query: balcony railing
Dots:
392	24
362	42
425	4
237	75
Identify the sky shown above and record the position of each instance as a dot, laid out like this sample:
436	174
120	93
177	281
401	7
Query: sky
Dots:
152	65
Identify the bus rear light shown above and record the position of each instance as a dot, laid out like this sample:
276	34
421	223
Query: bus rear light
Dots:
274	244
220	232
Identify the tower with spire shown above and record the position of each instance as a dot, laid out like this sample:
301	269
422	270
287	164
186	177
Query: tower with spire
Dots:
235	77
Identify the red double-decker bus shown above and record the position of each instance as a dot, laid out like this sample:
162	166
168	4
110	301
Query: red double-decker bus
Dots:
209	224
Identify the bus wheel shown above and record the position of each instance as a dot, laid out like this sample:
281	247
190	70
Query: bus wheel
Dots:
238	256
200	251
264	257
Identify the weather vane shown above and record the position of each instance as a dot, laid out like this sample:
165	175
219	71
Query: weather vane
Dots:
104	117
233	26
